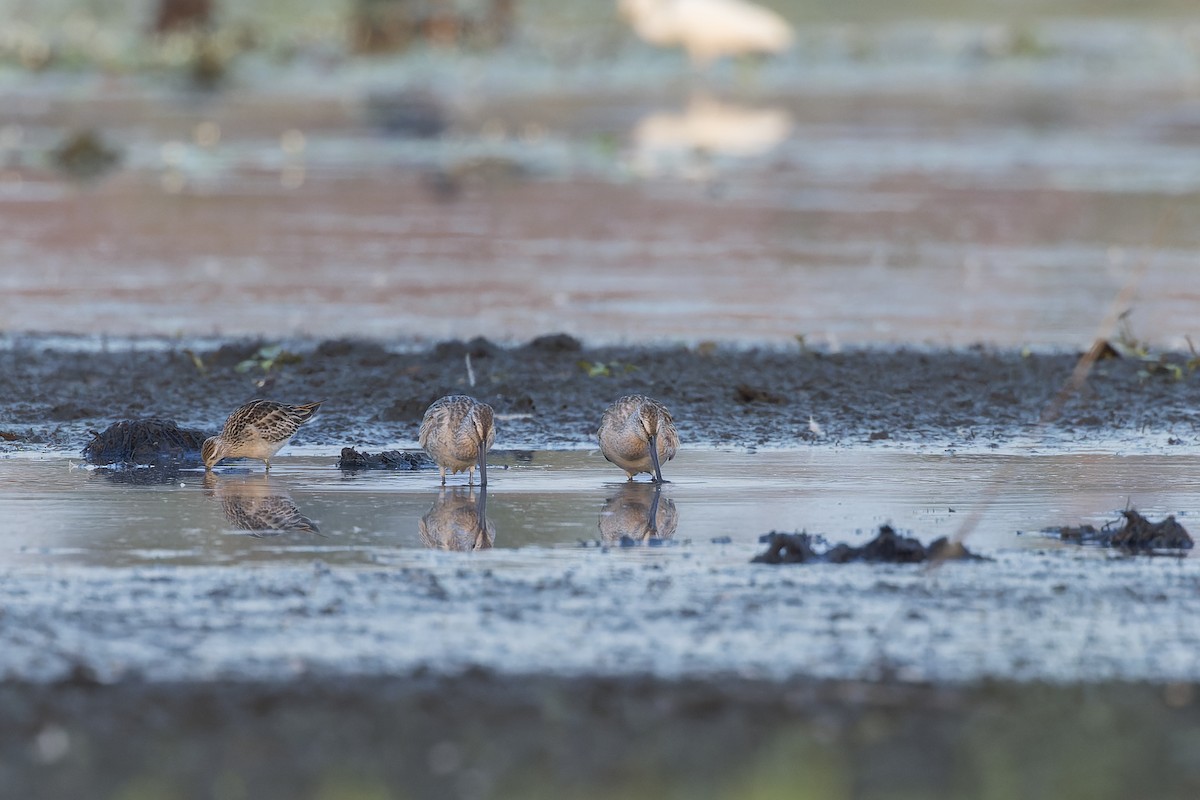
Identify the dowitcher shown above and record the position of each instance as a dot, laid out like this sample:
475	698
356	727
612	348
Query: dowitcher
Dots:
256	430
457	432
638	512
637	434
458	521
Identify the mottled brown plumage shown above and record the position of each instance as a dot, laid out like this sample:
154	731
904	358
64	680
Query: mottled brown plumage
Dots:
638	512
457	432
457	521
256	430
637	434
256	505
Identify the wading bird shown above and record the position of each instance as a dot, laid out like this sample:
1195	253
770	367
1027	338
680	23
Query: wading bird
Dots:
256	430
708	29
457	432
638	513
256	505
637	434
458	521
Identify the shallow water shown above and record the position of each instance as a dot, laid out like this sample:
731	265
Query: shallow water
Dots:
56	513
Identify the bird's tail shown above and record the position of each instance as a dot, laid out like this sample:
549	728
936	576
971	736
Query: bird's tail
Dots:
305	412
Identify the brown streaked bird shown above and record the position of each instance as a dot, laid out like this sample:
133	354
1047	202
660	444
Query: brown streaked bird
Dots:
639	513
256	430
637	434
457	432
256	505
458	521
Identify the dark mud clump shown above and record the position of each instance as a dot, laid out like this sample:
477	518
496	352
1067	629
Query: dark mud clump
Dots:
888	547
556	343
144	441
402	460
1136	534
745	393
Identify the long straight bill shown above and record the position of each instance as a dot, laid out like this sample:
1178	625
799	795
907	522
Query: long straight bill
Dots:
482	467
654	510
654	457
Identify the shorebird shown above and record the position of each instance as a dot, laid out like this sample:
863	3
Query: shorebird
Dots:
457	432
258	506
256	430
708	29
637	434
458	521
638	512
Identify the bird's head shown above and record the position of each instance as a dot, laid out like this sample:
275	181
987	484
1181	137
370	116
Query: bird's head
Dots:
484	421
212	451
650	419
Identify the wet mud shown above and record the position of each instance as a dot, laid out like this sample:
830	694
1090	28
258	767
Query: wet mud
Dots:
352	460
888	547
144	442
552	391
1135	534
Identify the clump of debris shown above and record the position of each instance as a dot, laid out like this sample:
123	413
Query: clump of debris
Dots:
351	459
1136	534
888	547
154	442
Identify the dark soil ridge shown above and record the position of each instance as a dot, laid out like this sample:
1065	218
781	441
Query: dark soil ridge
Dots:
552	391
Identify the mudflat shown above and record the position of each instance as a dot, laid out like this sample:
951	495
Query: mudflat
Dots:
550	392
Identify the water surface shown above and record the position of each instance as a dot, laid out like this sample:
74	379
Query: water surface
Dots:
543	501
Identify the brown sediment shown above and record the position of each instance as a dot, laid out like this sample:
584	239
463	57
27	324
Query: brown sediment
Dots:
878	398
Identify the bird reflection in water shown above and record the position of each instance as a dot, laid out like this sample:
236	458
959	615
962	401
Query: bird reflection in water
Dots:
256	504
686	143
638	512
458	521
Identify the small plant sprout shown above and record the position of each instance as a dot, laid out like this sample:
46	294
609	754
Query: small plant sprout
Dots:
267	359
598	369
197	361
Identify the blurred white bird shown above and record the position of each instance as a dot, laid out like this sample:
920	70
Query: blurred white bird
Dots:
708	29
714	127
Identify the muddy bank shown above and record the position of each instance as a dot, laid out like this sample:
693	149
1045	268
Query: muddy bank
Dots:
478	735
551	392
